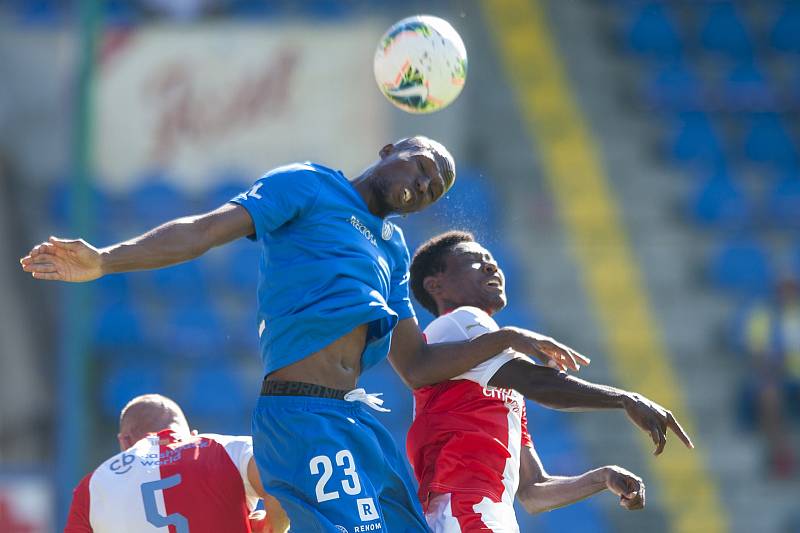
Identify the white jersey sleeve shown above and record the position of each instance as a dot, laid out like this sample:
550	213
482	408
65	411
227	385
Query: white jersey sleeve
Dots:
465	323
240	450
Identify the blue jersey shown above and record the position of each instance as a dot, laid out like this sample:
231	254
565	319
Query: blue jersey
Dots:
327	265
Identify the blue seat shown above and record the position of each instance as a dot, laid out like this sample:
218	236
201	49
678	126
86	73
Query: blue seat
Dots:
651	31
471	203
327	8
59	198
122	383
783	202
785	34
239	268
767	140
723	31
217	391
694	139
228	184
746	88
192	331
741	266
185	282
255	8
40	12
674	86
719	202
156	201
118	327
113	289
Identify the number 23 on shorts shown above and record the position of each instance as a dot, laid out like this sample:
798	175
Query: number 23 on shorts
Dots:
322	466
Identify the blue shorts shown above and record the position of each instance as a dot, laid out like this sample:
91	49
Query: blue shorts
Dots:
333	467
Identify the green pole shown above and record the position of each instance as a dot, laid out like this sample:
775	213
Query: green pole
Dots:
73	420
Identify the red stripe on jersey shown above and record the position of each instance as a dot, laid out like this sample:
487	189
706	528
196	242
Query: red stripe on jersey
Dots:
78	518
462	506
210	494
459	440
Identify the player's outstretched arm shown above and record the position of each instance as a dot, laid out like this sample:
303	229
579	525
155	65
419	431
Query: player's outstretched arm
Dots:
176	241
419	363
559	390
539	491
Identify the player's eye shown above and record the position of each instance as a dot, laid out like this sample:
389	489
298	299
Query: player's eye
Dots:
477	265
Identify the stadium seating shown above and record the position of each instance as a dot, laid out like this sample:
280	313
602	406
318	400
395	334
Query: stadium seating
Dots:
694	139
741	265
724	31
674	85
783	203
720	202
785	34
651	31
767	140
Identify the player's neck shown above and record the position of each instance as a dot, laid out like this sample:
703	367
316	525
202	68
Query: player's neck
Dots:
365	187
449	307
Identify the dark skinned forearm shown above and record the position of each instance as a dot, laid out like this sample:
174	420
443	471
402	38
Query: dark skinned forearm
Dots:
168	244
420	364
557	390
178	240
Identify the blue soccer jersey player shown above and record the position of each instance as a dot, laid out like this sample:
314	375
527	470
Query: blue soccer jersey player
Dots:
333	301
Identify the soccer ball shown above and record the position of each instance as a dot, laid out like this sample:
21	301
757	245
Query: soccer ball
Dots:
421	64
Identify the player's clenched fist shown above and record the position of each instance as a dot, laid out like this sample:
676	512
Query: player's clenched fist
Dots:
628	486
547	350
63	260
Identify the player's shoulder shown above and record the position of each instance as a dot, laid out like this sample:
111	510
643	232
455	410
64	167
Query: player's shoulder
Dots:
298	175
462	323
226	440
123	462
468	315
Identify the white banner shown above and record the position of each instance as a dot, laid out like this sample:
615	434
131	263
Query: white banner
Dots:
26	504
194	100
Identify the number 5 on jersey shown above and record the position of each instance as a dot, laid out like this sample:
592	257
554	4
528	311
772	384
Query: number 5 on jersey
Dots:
343	459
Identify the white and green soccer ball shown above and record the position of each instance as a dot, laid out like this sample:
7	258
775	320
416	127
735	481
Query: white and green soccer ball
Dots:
421	64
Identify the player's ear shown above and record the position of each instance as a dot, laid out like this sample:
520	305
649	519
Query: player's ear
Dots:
386	151
432	285
124	441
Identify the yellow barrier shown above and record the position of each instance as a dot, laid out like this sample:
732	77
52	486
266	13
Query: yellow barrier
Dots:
589	212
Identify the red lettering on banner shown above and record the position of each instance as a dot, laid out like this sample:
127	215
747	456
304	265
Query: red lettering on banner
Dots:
189	112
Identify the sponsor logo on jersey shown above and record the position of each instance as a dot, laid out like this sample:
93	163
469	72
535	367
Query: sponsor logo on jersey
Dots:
368	527
169	455
387	230
366	511
363	229
123	464
509	396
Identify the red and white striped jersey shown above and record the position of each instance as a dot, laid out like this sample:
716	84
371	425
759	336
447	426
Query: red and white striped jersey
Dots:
196	484
466	436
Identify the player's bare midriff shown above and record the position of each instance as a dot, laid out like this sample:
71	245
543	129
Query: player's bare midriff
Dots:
338	365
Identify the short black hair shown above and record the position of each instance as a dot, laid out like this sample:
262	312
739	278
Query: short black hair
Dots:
429	259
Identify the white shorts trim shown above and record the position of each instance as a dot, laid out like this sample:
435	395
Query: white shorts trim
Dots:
498	516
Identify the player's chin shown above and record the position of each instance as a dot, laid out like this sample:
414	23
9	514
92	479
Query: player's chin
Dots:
497	302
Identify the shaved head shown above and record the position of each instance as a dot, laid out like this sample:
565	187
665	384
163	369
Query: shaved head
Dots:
149	413
444	161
